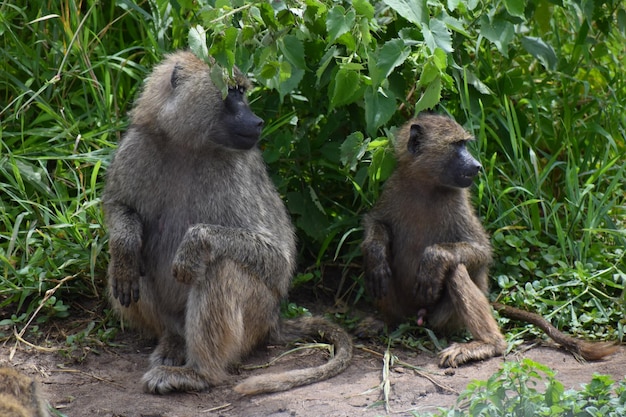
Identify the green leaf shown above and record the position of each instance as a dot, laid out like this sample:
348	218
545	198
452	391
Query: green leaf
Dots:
437	35
347	88
339	22
219	77
352	149
429	73
392	54
223	49
415	11
540	50
431	96
380	105
383	164
197	42
515	7
499	31
293	49
364	8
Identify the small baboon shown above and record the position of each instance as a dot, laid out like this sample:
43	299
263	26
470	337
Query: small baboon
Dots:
202	248
20	396
426	254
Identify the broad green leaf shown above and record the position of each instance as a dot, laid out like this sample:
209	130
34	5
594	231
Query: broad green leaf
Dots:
380	105
364	8
429	73
310	219
621	20
339	22
392	54
515	7
440	58
540	50
437	35
267	14
346	89
219	78
280	76
383	164
293	49
325	61
499	31
269	70
197	42
431	96
415	11
347	39
352	149
472	79
223	49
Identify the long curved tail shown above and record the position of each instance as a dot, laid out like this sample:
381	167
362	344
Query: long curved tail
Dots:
299	328
589	351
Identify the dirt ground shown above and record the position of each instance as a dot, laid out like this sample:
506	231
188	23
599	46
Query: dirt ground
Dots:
106	382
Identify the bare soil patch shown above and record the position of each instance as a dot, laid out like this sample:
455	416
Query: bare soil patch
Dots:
106	382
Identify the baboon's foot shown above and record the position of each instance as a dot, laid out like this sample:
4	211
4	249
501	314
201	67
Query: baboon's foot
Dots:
459	353
369	327
171	351
164	379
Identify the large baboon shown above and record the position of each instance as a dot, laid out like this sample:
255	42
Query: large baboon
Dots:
426	254
202	248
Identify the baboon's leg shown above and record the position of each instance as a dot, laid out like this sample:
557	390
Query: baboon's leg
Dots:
170	351
228	313
473	309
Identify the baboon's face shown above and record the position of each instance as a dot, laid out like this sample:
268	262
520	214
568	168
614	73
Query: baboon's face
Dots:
463	167
244	126
190	109
440	153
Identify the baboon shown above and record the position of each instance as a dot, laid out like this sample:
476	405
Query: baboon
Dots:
426	254
202	249
20	396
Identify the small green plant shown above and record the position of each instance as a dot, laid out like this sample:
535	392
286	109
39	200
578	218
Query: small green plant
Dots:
530	389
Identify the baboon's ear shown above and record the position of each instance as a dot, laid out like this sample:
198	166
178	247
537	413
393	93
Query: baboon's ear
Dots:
175	75
416	134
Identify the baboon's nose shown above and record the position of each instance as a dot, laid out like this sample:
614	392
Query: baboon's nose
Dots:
476	168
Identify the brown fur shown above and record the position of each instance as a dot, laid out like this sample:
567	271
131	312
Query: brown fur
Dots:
202	248
425	251
20	396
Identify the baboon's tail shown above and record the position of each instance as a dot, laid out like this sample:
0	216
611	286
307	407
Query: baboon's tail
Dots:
589	351
296	329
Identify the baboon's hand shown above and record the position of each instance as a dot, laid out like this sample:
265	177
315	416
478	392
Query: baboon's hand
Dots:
184	267
124	283
432	273
377	279
194	252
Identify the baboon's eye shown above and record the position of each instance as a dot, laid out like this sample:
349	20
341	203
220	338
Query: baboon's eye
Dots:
240	89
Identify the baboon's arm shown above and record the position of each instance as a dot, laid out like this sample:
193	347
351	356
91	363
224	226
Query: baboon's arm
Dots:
125	231
258	252
376	262
439	260
470	254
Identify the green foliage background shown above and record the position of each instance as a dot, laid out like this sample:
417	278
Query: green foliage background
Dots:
541	84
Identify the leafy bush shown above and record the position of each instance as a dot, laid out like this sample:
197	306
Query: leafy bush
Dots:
539	83
529	389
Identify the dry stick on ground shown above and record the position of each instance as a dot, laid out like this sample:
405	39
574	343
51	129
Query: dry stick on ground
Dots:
419	371
19	336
